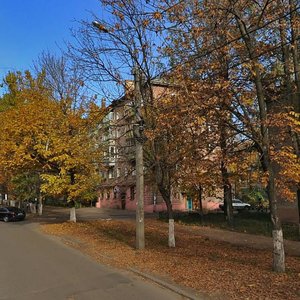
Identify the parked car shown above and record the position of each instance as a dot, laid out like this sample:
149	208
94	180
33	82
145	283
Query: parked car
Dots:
10	213
237	205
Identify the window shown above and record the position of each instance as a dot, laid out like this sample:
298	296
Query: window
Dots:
114	133
111	173
110	134
118	132
132	193
112	151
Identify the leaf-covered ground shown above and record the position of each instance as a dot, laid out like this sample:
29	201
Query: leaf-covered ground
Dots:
216	268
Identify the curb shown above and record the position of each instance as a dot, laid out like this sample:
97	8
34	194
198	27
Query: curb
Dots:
185	292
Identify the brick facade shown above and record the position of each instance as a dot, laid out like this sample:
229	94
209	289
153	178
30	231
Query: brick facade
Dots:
118	188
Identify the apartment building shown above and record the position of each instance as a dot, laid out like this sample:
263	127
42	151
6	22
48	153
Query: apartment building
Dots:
118	188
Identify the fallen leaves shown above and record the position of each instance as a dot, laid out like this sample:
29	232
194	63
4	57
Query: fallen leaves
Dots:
216	268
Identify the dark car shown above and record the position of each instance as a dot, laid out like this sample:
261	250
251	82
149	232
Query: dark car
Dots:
10	213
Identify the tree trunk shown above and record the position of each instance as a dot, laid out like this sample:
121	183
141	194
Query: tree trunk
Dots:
285	49
296	98
166	194
298	200
162	177
33	208
73	214
294	19
40	206
72	202
200	203
278	247
228	211
171	239
40	209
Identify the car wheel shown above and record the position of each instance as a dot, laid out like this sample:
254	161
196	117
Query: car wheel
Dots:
6	219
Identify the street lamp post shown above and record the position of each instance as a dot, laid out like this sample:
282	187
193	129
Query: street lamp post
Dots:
139	162
138	128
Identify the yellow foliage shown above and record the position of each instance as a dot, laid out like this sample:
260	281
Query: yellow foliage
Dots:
36	133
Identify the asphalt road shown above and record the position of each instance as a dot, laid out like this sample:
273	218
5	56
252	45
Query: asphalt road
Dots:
34	266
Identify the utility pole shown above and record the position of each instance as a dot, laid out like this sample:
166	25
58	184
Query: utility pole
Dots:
139	161
139	140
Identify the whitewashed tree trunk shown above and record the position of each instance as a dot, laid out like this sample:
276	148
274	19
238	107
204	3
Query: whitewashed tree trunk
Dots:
171	233
73	215
278	252
40	205
40	209
32	208
265	142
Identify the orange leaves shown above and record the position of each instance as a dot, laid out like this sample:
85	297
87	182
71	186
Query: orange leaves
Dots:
196	262
295	120
157	15
196	31
119	14
146	22
289	171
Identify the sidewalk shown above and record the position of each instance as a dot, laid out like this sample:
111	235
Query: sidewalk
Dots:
54	214
241	239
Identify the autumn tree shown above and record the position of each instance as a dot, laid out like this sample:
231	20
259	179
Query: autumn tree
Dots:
65	79
250	52
205	86
108	51
40	137
290	59
191	144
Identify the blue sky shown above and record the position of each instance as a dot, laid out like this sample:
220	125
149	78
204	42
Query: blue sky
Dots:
27	27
